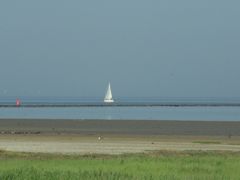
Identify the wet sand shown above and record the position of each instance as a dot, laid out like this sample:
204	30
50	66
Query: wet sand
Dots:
116	137
121	127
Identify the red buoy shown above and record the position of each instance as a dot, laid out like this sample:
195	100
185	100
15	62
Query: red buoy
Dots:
18	102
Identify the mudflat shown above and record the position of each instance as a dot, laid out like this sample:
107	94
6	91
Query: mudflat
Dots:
116	136
122	127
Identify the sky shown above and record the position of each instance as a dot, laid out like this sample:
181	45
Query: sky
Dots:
145	48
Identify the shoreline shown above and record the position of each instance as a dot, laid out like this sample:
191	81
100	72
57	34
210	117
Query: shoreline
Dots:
116	137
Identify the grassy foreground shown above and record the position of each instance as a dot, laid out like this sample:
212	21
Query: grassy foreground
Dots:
154	165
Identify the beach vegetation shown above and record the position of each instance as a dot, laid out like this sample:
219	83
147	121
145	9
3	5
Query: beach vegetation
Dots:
151	165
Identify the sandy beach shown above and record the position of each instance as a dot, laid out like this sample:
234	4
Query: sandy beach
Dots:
116	137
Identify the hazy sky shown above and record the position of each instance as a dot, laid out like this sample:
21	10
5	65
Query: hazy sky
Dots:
163	48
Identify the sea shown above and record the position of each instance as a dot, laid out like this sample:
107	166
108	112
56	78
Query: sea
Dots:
137	108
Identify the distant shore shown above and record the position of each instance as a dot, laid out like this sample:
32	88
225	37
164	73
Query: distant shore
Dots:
120	127
117	104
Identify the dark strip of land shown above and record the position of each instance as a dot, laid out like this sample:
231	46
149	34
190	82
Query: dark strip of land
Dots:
123	105
119	127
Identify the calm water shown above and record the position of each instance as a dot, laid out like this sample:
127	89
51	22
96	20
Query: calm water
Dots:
206	113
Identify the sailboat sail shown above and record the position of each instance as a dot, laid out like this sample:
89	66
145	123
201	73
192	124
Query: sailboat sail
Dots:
108	96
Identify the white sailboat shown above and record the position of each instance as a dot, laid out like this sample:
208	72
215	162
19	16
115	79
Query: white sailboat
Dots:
108	97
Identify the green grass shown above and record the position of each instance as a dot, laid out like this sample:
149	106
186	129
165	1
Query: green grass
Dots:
154	165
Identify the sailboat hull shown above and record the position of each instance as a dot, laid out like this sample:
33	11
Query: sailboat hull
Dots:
108	100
